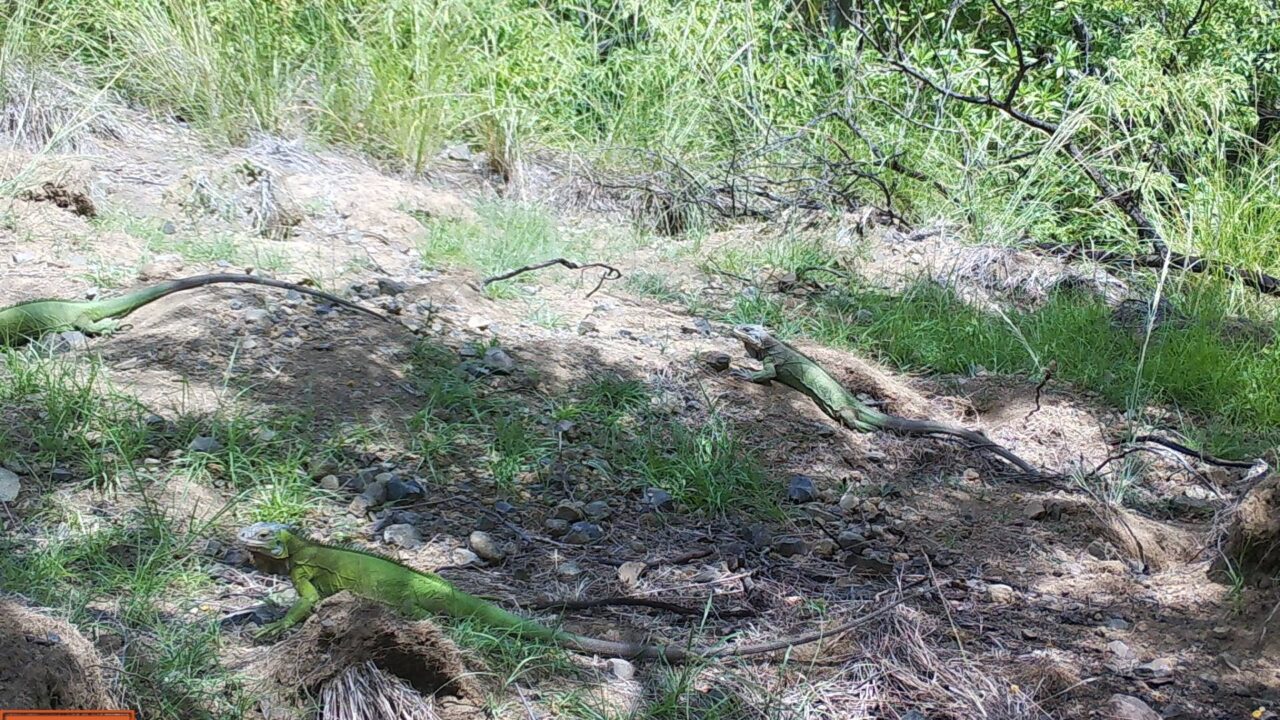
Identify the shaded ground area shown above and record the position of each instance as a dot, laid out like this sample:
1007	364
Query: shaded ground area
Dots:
532	443
48	664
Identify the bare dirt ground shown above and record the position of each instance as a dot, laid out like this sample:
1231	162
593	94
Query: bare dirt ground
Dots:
1042	605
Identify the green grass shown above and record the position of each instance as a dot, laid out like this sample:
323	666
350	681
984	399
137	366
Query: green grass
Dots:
1218	380
204	248
143	580
505	237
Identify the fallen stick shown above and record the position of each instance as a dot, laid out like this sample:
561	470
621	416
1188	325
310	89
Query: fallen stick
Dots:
610	272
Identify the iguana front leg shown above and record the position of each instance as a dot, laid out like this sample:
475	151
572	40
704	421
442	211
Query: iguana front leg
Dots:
764	376
308	596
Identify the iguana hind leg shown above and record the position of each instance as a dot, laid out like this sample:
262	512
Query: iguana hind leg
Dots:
106	326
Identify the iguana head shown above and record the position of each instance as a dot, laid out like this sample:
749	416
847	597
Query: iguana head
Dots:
266	538
755	338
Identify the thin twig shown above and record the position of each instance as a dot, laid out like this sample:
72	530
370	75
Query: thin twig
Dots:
1048	375
610	272
1201	456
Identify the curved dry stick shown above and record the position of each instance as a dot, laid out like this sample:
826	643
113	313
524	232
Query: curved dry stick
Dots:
610	272
1201	456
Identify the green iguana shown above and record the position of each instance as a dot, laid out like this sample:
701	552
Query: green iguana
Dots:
318	570
29	320
785	364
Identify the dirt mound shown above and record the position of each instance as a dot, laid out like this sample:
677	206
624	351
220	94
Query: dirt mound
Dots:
47	664
1253	540
1160	546
347	633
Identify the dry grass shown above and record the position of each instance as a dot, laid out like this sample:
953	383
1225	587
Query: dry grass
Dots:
365	692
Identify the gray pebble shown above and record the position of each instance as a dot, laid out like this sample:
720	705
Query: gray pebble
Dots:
402	535
204	444
569	511
598	510
801	489
497	361
483	544
659	499
788	547
581	533
10	485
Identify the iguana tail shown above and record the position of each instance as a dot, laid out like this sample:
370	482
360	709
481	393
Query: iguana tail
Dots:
465	606
893	423
121	306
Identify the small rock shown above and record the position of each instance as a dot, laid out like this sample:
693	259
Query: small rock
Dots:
497	361
1121	650
1101	549
825	548
667	402
1157	671
586	327
758	535
10	484
61	474
970	475
20	258
850	539
374	494
503	507
483	544
801	489
569	511
387	286
1030	634
396	489
1116	623
476	322
789	547
73	340
402	535
204	444
256	316
658	499
864	317
716	360
629	573
621	669
330	483
568	570
1034	510
999	593
556	527
463	557
582	532
597	510
1128	707
850	502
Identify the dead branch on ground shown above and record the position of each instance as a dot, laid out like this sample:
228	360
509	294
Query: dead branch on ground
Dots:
610	272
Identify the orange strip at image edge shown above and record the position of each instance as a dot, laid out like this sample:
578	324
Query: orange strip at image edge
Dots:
68	715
